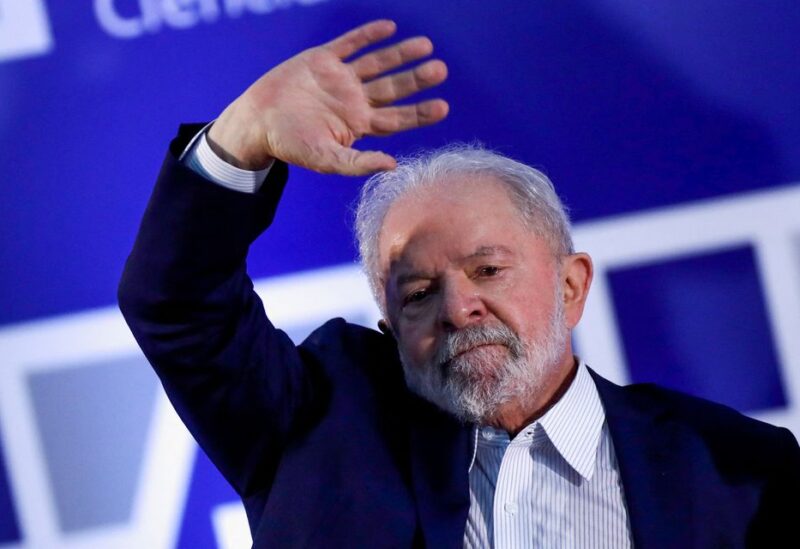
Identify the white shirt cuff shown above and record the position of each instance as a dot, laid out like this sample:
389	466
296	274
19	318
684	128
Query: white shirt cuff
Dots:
199	158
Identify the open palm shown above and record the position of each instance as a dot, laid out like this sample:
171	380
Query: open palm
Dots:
309	110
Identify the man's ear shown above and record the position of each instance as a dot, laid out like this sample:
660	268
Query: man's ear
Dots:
383	326
576	278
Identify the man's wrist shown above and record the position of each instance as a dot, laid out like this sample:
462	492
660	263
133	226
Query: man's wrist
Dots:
228	143
201	158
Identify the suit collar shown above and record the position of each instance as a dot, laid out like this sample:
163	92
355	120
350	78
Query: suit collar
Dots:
656	466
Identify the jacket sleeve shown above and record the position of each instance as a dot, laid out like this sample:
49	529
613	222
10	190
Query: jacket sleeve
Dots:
239	384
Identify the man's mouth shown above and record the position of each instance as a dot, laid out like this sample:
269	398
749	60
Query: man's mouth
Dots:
474	347
445	365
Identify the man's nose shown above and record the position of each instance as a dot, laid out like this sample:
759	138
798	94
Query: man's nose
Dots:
461	305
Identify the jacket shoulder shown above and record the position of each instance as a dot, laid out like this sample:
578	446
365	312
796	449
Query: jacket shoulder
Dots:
355	346
722	427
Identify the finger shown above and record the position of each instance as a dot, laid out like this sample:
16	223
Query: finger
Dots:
360	37
346	161
389	89
389	120
375	63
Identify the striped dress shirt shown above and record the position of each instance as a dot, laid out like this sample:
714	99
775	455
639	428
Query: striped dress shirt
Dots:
556	484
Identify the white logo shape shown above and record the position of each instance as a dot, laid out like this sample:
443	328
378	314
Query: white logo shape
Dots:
24	29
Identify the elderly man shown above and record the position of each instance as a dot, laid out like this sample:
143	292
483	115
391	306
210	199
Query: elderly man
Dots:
467	421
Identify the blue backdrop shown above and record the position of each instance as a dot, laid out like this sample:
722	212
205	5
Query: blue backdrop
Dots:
659	122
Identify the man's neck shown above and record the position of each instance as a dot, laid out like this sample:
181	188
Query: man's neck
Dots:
519	413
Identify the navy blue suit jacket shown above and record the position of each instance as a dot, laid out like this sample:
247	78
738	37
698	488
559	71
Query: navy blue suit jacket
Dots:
326	446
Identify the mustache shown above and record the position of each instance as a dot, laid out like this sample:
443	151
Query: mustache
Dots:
466	339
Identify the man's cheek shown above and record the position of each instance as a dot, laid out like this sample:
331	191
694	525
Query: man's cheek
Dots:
421	356
419	351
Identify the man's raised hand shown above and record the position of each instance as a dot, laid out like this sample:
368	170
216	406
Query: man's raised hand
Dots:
309	110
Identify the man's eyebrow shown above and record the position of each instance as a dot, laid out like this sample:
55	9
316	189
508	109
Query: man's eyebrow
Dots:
413	276
481	251
486	251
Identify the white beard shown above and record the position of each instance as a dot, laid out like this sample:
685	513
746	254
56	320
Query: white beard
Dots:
472	381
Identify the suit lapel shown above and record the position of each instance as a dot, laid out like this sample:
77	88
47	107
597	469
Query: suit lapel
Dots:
656	467
441	448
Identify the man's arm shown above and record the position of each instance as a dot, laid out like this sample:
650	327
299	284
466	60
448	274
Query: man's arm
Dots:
240	385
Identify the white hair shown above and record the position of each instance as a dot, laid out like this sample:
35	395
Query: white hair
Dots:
530	190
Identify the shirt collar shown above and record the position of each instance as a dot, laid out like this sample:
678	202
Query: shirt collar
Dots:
573	425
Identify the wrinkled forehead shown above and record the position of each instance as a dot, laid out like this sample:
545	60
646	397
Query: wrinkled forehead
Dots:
450	217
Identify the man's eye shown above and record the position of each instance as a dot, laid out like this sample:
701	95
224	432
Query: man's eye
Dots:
415	297
488	270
